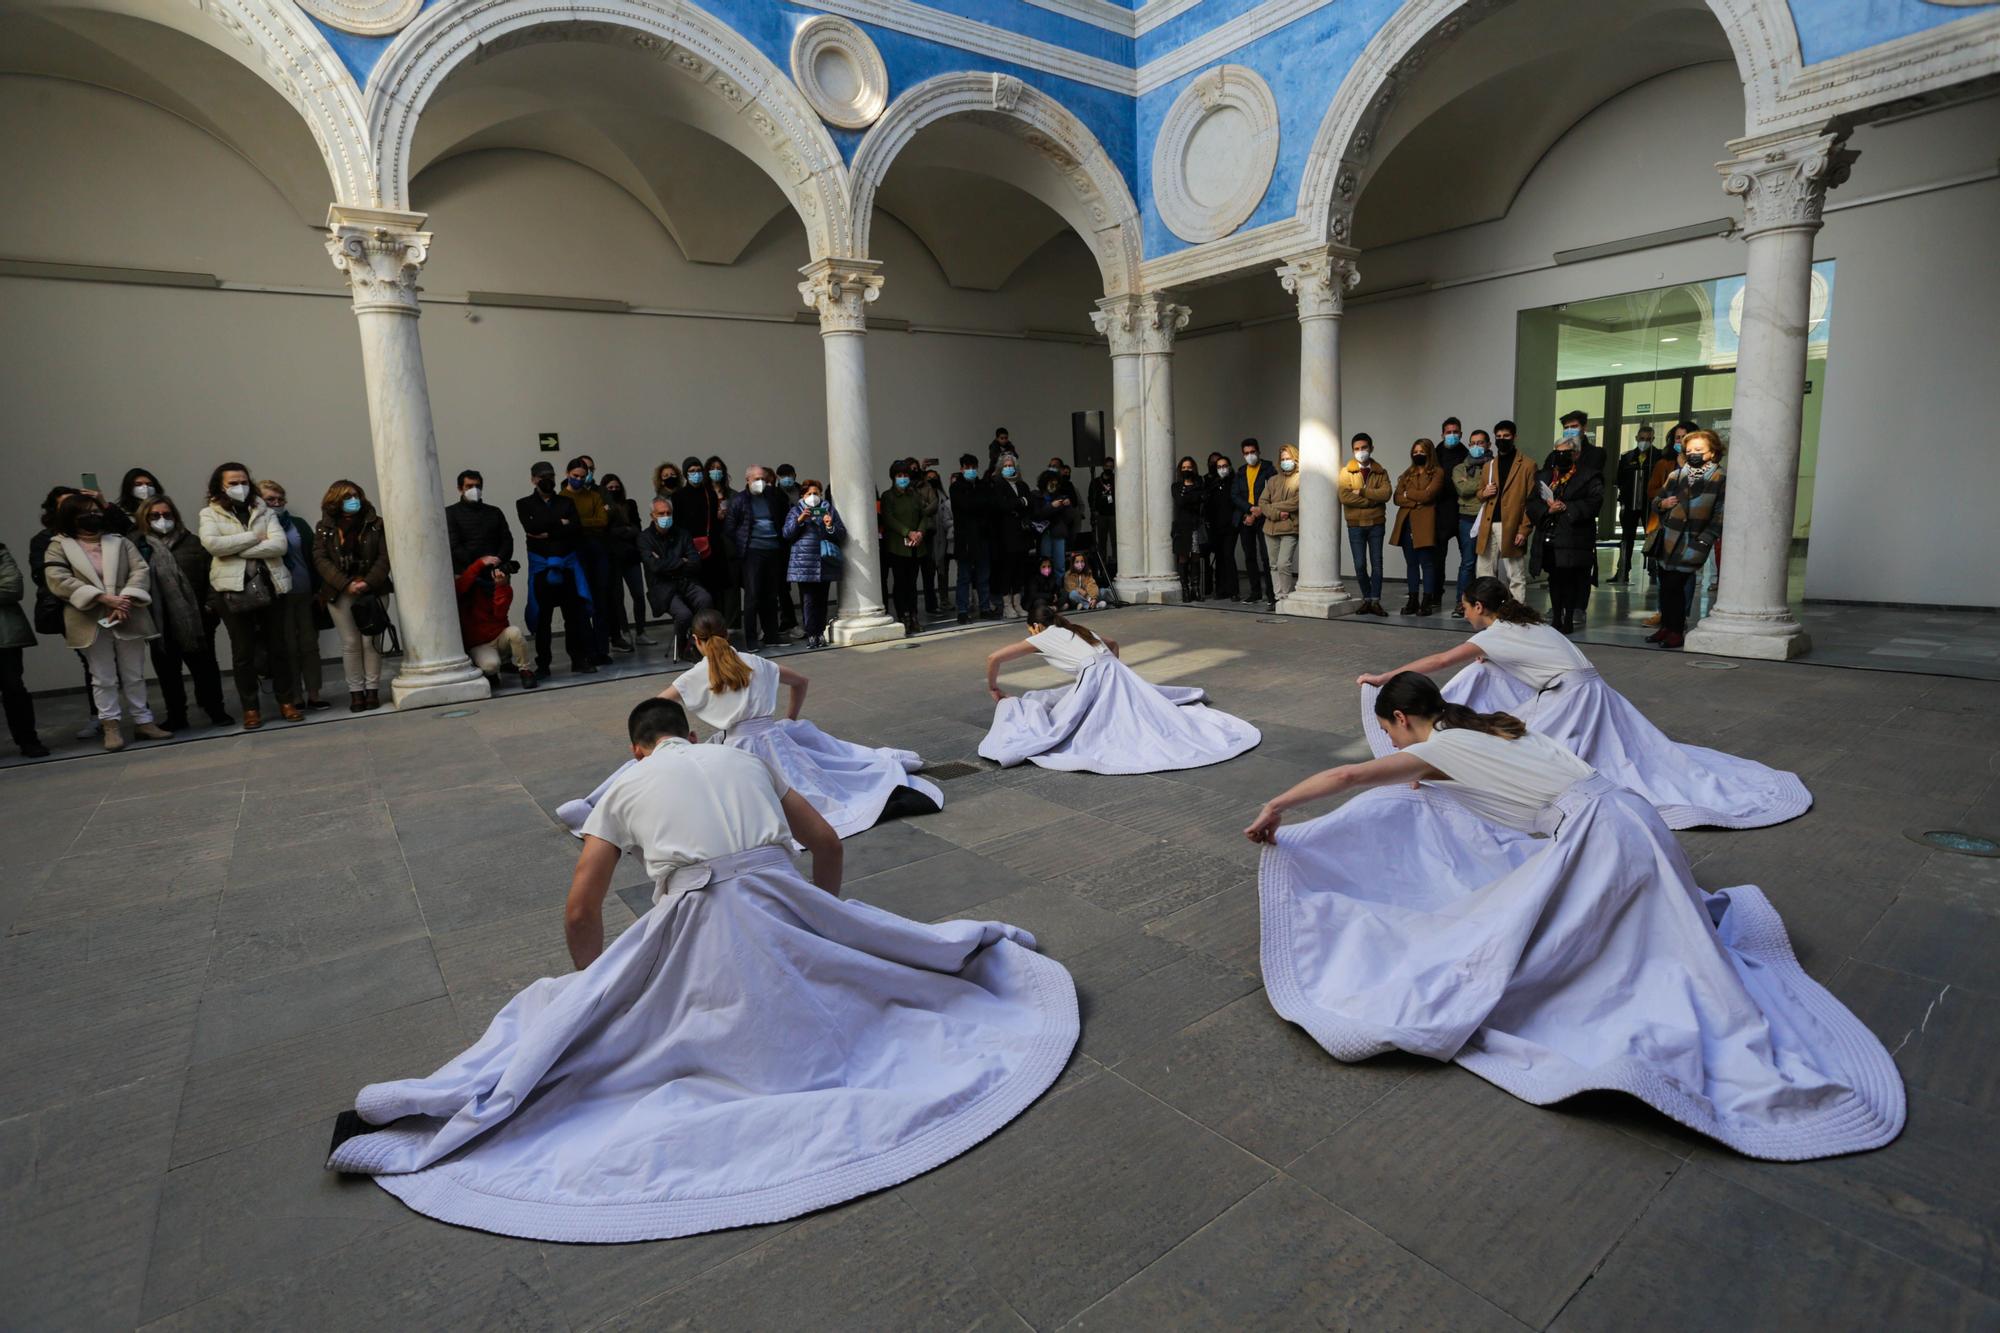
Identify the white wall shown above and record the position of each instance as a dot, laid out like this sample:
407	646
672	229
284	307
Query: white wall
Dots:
101	377
1913	341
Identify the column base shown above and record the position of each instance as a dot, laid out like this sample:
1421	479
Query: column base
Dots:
868	628
457	684
1147	590
1318	603
1734	634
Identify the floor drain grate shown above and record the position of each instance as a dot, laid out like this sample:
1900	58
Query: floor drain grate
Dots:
459	712
956	768
1273	620
1699	665
1955	840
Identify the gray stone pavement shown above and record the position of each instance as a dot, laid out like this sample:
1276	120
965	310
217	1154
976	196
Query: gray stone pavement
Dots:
209	947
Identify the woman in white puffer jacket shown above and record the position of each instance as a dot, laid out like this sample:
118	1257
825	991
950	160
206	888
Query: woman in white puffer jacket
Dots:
246	546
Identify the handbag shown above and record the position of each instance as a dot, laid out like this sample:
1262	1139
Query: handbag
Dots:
371	617
256	595
830	558
48	612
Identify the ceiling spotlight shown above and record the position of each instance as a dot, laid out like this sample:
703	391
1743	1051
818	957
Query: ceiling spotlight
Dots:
1670	340
1616	364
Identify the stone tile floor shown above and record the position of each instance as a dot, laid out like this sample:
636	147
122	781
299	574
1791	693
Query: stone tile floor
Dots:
208	947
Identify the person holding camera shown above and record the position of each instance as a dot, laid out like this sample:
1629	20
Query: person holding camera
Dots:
351	552
485	595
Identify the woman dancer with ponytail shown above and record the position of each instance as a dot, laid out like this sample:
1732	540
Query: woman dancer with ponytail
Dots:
1111	720
736	696
1532	920
1522	666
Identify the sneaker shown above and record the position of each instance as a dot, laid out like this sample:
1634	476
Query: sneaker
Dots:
620	644
644	640
1651	621
318	705
91	732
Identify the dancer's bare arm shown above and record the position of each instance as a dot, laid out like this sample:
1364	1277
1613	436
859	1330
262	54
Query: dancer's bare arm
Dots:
1436	662
583	914
811	831
1384	772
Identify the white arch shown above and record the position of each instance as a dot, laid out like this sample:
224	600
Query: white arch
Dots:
1093	197
757	109
1760	33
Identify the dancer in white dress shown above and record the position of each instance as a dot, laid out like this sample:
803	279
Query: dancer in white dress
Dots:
1526	917
1111	720
736	696
751	1049
1517	664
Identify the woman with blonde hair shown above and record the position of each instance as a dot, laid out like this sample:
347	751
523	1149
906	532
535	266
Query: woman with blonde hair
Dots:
736	696
351	552
1278	498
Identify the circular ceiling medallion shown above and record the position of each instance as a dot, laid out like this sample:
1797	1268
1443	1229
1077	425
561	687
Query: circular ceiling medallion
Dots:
840	72
1215	154
369	18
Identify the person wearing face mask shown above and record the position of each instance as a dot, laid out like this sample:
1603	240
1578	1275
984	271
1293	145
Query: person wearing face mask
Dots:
485	597
1576	428
1052	516
814	532
947	540
1279	499
16	637
906	533
1690	509
106	591
621	546
351	552
1190	527
247	545
754	525
1045	580
179	572
788	607
723	571
1416	496
140	485
1564	510
1468	478
1669	460
1079	589
302	627
477	529
973	506
1013	536
593	522
1363	491
1248	522
1219	522
1500	533
1104	517
673	569
555	576
1635	472
1450	452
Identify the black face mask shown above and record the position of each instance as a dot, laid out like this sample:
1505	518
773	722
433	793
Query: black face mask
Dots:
90	524
546	485
673	483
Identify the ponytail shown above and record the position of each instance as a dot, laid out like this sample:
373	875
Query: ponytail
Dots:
1042	615
727	672
1492	594
1415	695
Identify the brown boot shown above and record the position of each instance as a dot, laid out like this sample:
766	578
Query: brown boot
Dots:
113	738
148	731
291	712
374	699
357	701
252	719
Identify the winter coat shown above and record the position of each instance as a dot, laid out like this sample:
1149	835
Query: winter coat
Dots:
232	543
15	632
670	561
622	531
1690	527
1218	510
902	514
74	579
1278	497
1448	457
477	530
177	596
482	606
1083	583
1190	513
1568	539
804	530
1242	498
1013	502
972	511
1466	480
1364	493
1503	520
341	557
1635	476
738	519
1417	492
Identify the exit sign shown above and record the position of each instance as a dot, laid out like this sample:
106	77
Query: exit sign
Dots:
1643	407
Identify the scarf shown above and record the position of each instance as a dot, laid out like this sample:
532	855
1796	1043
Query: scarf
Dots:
173	596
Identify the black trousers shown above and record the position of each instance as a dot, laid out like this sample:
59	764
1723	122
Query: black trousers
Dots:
763	582
1569	591
261	630
595	558
629	578
1222	566
681	602
14	696
1675	587
1256	563
578	634
168	659
903	584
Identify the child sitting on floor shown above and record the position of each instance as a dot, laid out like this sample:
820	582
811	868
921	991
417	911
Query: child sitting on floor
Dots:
1080	591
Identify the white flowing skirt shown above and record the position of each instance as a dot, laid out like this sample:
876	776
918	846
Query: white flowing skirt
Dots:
848	784
1691	786
749	1051
1551	966
1112	720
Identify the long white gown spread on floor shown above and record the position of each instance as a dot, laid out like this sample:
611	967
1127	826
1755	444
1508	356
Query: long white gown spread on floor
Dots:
1112	720
751	1049
1583	958
1536	674
848	784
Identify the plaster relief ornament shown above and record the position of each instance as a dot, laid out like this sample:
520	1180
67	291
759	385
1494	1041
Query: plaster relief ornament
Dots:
366	18
840	72
1216	152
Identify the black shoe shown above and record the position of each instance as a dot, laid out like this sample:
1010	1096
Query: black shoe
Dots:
222	719
34	749
583	668
620	644
602	659
964	619
752	646
1409	608
529	679
315	705
1458	612
176	722
545	669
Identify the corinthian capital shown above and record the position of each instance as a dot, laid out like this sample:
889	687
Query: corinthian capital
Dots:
1783	182
1320	280
1143	323
381	252
840	289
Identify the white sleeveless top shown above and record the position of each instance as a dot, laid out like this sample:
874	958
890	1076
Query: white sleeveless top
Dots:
719	712
1066	651
1531	654
1508	782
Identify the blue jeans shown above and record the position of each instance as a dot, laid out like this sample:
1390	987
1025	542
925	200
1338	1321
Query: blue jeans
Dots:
1365	544
975	571
1423	567
1055	548
1468	559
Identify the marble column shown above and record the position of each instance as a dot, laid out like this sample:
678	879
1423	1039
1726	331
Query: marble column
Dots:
1783	184
840	290
1319	281
381	252
1141	331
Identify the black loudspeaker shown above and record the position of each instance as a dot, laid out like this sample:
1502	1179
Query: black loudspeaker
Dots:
1086	439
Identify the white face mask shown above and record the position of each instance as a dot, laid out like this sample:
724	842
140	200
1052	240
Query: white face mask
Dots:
239	492
163	526
757	486
142	492
472	494
1250	458
1222	471
811	501
1286	465
1363	455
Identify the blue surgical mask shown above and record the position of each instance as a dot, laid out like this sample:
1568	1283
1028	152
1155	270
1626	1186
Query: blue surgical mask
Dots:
789	483
715	474
1477	451
902	483
589	477
351	505
663	522
1451	437
1677	446
1007	471
1571	432
972	474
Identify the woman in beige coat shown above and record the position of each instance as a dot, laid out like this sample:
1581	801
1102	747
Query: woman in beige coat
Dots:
106	592
1278	497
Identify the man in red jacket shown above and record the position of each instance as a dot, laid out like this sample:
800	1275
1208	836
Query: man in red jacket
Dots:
484	597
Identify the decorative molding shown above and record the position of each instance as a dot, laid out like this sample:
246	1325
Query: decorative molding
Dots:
1155	12
1086	187
1219	41
1783	183
983	39
1097	13
1320	281
1140	325
785	136
366	18
824	34
1222	89
841	290
381	251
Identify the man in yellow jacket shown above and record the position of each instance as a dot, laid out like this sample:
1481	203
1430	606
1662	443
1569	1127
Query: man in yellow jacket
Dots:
1363	491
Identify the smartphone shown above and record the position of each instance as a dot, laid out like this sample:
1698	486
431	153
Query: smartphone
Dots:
90	481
